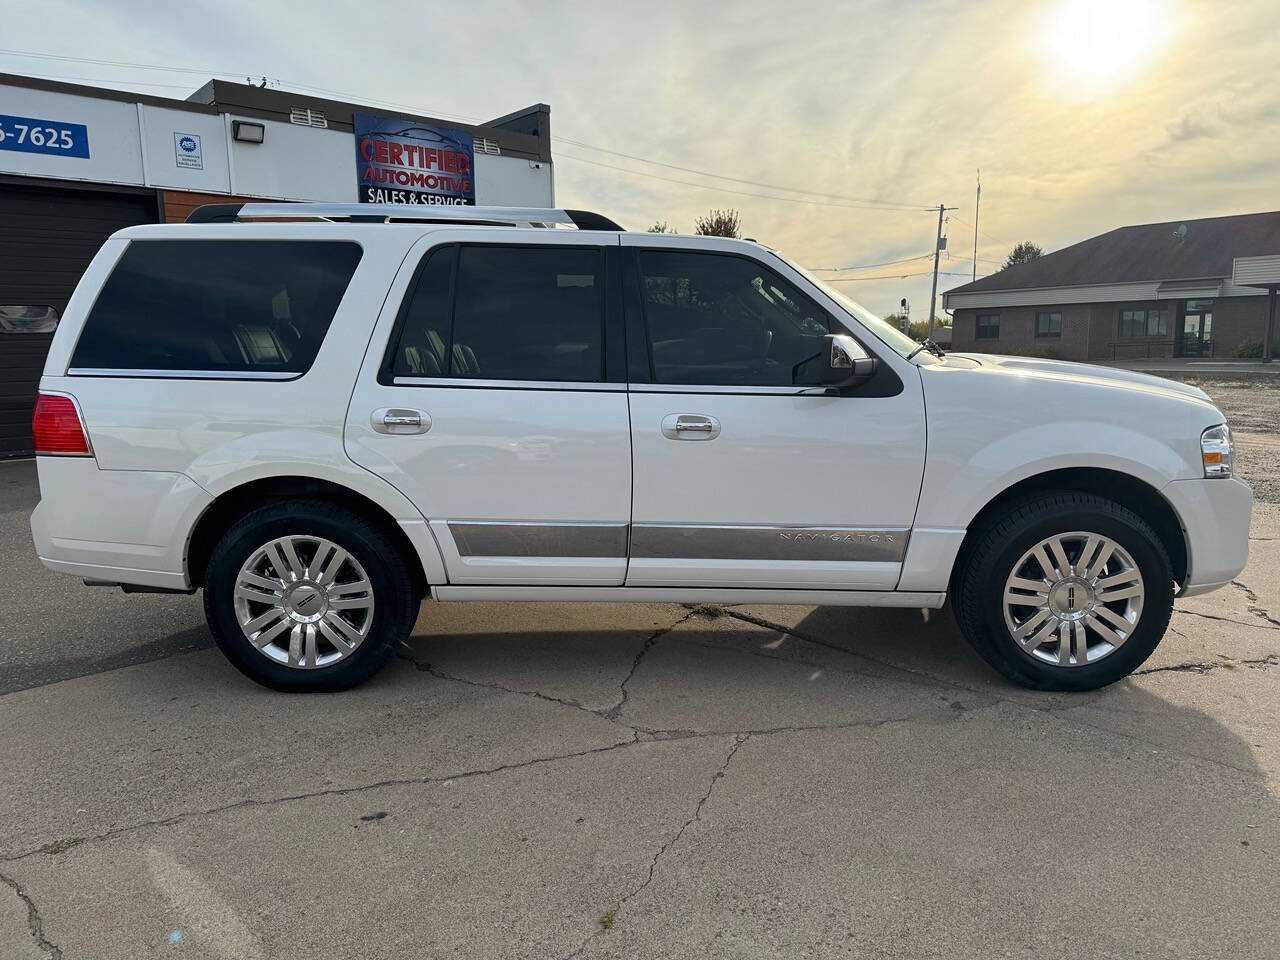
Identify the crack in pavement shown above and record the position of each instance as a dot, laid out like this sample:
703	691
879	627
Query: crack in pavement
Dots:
739	740
653	735
1239	623
1230	663
34	922
62	845
611	714
409	656
1254	607
58	846
911	675
616	710
1069	707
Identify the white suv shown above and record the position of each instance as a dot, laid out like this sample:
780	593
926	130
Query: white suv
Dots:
324	419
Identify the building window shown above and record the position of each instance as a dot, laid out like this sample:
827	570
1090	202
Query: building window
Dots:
1049	325
1144	323
988	327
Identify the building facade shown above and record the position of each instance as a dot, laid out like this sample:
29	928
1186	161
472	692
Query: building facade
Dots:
78	163
1193	288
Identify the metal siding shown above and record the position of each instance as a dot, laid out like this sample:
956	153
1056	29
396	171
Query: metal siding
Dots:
47	238
1256	270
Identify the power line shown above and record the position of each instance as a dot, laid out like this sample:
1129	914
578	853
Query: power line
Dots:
984	233
206	71
329	91
134	83
31	54
753	183
895	276
868	266
712	186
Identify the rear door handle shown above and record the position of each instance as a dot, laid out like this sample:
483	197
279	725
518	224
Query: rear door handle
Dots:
690	426
398	420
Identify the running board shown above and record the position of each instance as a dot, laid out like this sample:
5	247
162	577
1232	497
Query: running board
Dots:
808	598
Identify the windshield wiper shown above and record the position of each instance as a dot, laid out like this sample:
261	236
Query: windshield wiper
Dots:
927	344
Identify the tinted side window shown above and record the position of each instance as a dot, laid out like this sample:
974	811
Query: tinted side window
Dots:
217	305
424	337
528	313
717	320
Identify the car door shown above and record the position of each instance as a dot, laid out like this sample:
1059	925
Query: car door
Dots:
745	473
491	399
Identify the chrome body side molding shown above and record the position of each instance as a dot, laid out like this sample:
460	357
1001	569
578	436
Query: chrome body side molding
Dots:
692	542
481	538
656	541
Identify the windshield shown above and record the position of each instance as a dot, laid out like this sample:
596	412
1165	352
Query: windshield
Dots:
887	332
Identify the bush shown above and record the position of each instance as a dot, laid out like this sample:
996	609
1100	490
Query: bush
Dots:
1250	350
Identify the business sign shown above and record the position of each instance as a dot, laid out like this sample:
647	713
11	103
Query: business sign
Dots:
404	161
186	151
31	135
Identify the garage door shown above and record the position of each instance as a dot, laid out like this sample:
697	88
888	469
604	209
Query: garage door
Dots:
47	238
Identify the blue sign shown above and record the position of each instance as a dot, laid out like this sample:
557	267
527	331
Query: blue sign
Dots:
404	161
30	135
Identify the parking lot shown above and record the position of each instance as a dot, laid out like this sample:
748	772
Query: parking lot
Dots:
636	781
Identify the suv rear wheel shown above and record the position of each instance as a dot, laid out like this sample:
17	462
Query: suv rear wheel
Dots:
308	596
1065	591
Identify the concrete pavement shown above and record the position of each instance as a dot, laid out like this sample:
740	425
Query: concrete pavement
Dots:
636	781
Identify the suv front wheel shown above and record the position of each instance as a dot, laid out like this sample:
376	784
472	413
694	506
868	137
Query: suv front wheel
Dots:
308	596
1065	591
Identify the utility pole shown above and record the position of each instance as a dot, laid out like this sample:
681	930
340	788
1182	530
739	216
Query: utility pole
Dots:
976	204
937	253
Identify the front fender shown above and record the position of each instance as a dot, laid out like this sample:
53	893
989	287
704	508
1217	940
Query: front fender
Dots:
960	479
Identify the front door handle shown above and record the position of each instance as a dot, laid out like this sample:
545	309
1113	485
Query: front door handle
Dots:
690	426
398	420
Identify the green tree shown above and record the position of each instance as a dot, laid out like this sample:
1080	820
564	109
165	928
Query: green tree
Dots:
719	223
660	226
1024	252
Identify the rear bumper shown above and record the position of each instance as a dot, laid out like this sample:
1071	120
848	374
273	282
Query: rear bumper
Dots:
126	526
1215	516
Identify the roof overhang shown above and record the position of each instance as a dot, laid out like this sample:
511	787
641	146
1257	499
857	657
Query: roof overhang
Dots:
1189	290
1195	289
1256	271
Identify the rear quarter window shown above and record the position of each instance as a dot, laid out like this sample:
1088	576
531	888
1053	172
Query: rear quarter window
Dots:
218	306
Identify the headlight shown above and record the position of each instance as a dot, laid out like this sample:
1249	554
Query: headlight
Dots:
1215	451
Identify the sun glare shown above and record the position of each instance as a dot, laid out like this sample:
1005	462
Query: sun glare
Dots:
1090	48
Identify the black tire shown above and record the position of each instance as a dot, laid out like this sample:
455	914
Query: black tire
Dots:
396	597
979	582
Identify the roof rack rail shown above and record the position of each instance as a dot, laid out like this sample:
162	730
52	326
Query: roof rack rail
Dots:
383	212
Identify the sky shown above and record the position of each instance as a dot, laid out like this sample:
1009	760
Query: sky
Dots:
832	128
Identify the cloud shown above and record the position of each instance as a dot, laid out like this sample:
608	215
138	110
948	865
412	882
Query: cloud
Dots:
1193	126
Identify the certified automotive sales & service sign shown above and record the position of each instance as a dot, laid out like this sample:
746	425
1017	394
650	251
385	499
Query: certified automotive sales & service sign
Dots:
404	161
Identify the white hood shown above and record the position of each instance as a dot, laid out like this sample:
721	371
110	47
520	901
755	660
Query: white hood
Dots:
1083	372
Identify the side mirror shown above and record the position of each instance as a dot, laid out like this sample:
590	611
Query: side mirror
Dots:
848	364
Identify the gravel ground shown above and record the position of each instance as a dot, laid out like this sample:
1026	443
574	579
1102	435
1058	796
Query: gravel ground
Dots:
1252	406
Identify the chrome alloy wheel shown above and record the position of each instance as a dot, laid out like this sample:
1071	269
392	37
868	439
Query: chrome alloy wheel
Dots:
1073	599
303	601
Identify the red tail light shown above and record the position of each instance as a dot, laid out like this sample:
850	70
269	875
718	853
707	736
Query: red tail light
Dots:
57	428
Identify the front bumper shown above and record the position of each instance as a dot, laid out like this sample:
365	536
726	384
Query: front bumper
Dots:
1215	517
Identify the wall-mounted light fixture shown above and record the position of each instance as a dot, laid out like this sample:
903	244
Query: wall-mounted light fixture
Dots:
247	132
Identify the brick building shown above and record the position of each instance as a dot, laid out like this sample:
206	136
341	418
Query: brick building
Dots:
1195	288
